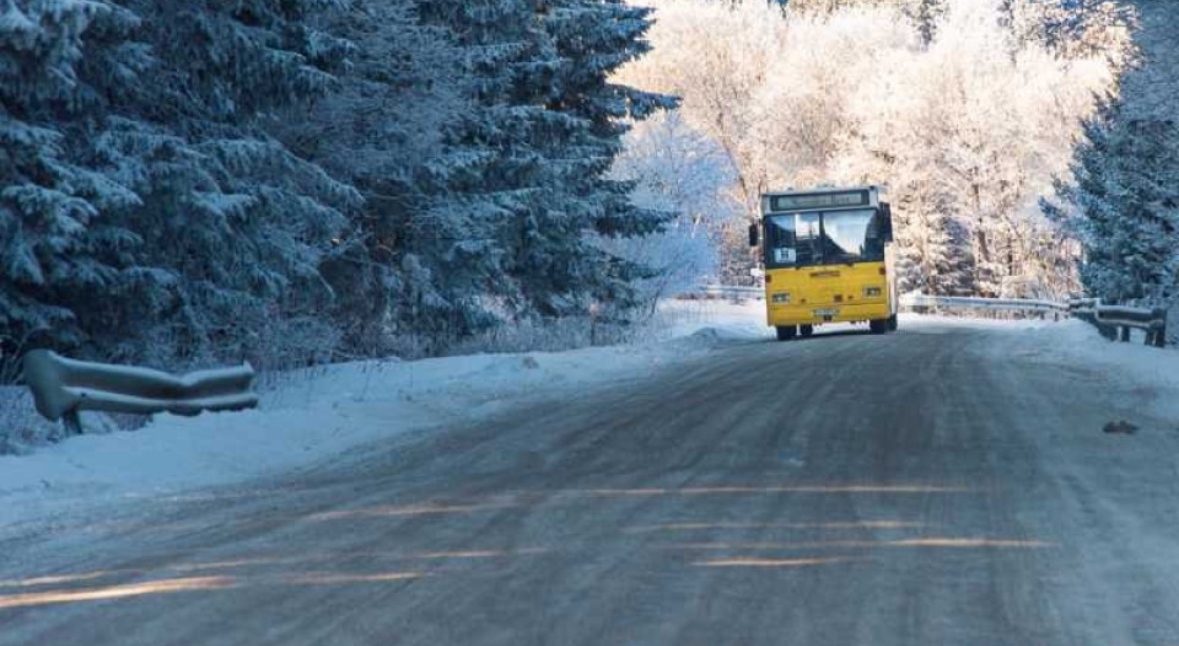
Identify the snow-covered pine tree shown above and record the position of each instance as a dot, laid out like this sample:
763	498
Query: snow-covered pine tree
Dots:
933	244
1123	199
58	248
525	176
145	216
455	239
380	130
560	268
231	227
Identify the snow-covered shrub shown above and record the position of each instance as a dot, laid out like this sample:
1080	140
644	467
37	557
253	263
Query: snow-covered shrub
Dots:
20	425
676	169
22	428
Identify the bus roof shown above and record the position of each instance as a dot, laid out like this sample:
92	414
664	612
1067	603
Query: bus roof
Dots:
823	199
827	189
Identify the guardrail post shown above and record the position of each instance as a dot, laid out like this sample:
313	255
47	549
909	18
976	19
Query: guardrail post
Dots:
1110	332
72	422
1125	334
1159	331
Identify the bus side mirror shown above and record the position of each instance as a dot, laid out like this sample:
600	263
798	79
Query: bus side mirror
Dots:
753	235
886	210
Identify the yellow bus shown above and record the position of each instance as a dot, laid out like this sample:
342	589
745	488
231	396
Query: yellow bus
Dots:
828	259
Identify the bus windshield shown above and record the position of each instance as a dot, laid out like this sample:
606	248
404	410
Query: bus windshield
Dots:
827	238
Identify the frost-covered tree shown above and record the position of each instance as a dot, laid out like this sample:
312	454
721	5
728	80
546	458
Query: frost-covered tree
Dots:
58	246
826	7
380	129
524	180
455	251
960	119
720	57
1149	89
169	227
926	15
678	170
233	226
1124	202
982	123
1073	28
589	115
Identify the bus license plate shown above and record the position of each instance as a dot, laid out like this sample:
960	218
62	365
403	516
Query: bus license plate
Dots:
826	312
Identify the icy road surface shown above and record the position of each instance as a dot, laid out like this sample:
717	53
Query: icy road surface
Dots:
949	484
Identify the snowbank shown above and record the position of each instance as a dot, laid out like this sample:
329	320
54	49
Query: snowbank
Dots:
1071	342
1126	365
311	415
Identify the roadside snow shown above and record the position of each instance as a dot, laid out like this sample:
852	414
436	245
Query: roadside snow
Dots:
720	319
1129	365
309	416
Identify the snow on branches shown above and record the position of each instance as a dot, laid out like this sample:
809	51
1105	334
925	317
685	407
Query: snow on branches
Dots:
966	111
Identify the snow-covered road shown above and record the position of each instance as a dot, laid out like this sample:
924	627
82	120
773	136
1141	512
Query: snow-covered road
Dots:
950	484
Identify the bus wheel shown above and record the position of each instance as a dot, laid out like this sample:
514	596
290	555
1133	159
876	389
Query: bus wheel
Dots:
878	326
786	332
892	323
806	330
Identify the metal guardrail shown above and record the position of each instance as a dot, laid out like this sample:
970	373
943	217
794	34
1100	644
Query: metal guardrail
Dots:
729	291
971	302
62	387
1108	319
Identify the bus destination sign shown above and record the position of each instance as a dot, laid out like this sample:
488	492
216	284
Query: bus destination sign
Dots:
804	201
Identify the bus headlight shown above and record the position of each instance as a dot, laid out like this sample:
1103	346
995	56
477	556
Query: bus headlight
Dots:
872	292
782	298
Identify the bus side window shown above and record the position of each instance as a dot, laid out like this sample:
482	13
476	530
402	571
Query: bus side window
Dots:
886	211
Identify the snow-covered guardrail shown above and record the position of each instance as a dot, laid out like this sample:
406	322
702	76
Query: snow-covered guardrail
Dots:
62	387
1107	318
971	302
1110	318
